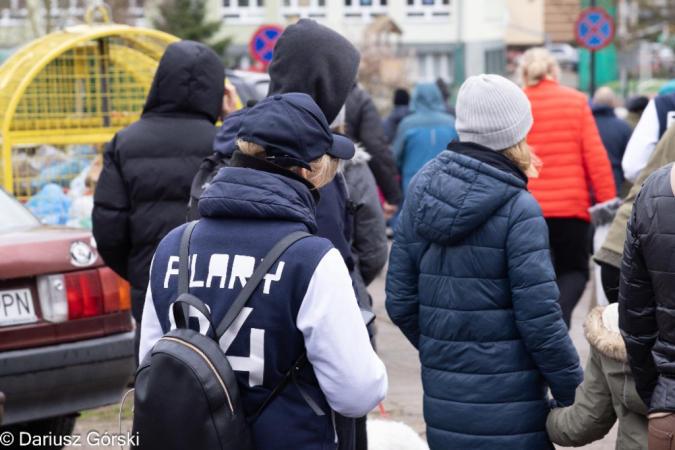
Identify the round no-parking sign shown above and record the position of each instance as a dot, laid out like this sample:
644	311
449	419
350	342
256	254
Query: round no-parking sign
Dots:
594	29
262	43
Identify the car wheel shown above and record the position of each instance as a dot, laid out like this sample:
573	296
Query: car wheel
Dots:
54	427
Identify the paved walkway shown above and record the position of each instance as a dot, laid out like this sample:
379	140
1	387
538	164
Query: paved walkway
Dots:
404	401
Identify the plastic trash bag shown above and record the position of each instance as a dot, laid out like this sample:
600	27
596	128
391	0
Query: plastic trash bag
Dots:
50	205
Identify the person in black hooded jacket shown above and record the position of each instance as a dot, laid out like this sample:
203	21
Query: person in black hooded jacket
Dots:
647	302
148	166
312	59
364	125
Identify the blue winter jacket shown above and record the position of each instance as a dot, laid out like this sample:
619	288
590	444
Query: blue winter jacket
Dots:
615	134
424	133
471	285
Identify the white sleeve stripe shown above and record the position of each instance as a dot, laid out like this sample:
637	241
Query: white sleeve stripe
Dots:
151	329
350	374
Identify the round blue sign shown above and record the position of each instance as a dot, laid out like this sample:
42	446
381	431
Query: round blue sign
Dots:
262	43
594	29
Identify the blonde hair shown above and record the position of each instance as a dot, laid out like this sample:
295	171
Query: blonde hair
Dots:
522	155
323	169
537	64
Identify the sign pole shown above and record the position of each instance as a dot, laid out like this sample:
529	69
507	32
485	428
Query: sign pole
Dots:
591	84
594	30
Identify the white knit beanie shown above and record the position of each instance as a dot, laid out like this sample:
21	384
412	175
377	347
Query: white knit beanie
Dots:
492	111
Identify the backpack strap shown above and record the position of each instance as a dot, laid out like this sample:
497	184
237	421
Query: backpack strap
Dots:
256	278
183	268
183	321
291	375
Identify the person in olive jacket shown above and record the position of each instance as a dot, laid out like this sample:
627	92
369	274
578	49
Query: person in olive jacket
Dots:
472	287
148	166
607	393
647	301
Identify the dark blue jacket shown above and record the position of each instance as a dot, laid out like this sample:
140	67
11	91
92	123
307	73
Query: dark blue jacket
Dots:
390	123
333	216
615	134
244	213
471	285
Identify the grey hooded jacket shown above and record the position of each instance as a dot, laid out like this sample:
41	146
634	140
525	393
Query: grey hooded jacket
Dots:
369	239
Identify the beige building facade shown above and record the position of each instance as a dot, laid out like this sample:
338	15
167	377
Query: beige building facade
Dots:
538	22
438	34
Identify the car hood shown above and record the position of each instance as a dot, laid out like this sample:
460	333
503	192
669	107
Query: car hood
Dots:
46	249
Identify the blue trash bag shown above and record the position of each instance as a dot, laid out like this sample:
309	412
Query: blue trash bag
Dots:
50	205
63	172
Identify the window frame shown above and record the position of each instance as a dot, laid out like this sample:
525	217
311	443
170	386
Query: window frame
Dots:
312	11
358	13
243	15
419	12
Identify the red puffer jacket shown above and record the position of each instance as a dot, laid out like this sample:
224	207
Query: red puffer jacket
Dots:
564	136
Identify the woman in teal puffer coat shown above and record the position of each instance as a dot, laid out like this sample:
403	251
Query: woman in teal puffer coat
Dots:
471	284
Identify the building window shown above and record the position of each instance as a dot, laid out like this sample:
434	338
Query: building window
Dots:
244	11
432	66
303	9
364	10
426	10
495	61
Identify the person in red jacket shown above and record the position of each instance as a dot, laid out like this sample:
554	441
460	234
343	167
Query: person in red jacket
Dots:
564	136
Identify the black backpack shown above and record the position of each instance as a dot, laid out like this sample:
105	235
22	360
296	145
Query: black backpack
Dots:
209	168
186	394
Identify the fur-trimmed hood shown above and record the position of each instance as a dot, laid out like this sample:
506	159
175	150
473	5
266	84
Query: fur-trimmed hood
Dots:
361	156
609	343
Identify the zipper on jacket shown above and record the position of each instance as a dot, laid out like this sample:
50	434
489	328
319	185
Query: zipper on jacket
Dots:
208	361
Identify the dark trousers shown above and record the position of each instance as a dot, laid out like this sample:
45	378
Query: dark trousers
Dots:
610	276
352	434
570	251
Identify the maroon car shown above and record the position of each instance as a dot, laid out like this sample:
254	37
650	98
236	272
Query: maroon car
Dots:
66	339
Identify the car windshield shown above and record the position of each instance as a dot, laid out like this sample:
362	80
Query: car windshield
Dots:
14	214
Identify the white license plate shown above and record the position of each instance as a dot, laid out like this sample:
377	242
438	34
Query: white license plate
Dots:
16	307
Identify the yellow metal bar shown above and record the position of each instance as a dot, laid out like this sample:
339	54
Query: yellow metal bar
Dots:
7	175
94	136
93	33
93	133
104	13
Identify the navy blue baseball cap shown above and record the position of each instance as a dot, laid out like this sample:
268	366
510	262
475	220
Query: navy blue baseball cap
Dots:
293	131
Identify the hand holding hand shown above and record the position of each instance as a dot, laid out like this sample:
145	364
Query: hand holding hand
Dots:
389	210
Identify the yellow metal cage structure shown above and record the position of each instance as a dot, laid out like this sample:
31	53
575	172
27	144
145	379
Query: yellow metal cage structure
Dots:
71	89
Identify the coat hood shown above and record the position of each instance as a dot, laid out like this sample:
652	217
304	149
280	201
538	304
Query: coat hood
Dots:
426	98
454	194
190	79
601	329
247	193
315	60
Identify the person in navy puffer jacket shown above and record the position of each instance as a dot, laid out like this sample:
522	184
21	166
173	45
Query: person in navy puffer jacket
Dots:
471	284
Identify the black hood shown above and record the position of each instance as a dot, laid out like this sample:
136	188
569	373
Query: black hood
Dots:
315	60
190	79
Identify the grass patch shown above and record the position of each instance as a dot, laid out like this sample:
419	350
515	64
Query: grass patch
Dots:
111	412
